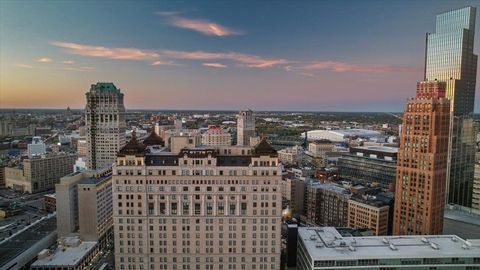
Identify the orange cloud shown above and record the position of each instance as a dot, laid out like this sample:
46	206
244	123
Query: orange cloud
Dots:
214	65
203	26
244	60
349	67
68	62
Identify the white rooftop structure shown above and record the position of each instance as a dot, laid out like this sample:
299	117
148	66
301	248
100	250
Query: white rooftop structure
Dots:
326	247
70	255
340	135
379	148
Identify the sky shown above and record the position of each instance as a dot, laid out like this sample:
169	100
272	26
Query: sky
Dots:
218	55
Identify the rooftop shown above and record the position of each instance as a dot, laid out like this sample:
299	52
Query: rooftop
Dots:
104	87
13	247
66	256
378	148
326	243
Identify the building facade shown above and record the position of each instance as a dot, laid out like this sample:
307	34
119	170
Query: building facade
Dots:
197	209
39	173
37	147
245	127
369	164
422	162
327	204
450	59
216	136
476	188
320	148
291	155
365	211
105	124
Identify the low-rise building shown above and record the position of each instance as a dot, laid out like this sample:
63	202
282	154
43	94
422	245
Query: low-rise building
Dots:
39	173
366	211
326	248
291	155
320	148
50	202
72	253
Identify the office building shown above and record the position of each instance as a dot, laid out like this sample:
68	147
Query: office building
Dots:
39	173
105	124
320	148
291	155
216	136
327	204
198	209
86	205
366	211
245	127
450	59
37	147
369	164
326	248
422	162
293	194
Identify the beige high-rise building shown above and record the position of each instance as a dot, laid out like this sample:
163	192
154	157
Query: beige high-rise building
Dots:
39	173
216	136
84	204
366	212
245	127
105	124
196	210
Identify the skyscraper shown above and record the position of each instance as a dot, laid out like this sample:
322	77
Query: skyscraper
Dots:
422	162
105	122
245	127
450	58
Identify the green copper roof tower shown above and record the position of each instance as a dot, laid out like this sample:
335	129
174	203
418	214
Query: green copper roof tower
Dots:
450	58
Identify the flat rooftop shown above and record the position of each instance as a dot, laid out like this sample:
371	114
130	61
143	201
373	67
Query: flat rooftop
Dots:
66	256
378	148
26	239
326	243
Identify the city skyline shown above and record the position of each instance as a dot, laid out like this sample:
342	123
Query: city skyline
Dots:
180	56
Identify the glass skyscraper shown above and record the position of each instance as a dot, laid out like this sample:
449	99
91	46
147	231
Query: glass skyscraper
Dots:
450	58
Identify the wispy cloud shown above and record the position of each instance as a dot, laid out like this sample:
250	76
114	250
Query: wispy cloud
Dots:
44	60
158	57
163	63
68	62
214	65
245	60
336	66
24	66
69	68
107	52
205	27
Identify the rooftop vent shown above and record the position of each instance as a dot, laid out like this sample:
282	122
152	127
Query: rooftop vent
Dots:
424	240
385	241
313	237
393	247
454	239
351	248
319	244
435	246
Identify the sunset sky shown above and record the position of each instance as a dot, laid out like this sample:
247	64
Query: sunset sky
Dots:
263	55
